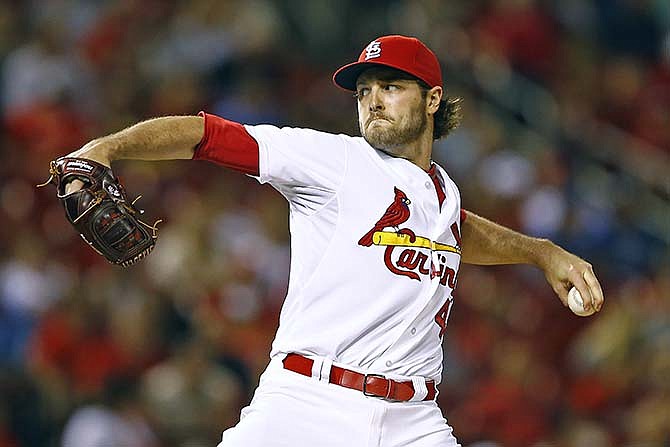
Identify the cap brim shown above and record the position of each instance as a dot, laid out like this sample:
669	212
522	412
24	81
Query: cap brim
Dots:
346	76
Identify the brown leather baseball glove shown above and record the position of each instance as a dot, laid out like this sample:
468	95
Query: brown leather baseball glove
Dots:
100	210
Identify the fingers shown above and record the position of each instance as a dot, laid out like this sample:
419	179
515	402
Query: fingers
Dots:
585	281
584	291
562	291
564	270
73	186
594	287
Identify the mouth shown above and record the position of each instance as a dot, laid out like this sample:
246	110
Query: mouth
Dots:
377	118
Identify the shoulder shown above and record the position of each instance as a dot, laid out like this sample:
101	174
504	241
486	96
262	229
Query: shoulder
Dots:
302	132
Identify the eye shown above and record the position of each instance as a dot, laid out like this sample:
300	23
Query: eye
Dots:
391	87
362	92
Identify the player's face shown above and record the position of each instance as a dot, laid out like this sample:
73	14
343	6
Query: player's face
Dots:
391	111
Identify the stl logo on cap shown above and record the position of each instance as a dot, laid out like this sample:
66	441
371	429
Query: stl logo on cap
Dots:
373	50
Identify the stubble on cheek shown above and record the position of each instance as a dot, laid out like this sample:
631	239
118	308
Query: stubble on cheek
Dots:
380	136
389	135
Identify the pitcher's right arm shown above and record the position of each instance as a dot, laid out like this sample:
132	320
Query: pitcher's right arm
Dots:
164	138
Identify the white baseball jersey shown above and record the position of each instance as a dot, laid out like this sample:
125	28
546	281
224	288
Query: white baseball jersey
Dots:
374	257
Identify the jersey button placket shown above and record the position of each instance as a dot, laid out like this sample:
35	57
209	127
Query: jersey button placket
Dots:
435	259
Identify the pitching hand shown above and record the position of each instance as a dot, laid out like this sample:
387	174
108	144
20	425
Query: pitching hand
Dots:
564	270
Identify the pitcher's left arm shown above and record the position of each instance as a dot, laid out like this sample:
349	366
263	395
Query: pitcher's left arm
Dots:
488	243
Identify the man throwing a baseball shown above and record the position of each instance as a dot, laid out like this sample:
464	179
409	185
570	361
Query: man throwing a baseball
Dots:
378	235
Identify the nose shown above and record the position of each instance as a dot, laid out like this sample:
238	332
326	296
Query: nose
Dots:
376	102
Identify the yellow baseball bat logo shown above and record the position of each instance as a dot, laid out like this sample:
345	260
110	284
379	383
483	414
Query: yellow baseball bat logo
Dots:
387	238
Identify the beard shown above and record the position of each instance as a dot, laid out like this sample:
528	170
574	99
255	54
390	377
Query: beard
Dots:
398	134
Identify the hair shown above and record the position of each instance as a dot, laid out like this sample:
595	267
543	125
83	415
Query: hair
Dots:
448	115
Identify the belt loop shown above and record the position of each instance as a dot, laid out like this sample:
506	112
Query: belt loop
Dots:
316	366
326	366
420	389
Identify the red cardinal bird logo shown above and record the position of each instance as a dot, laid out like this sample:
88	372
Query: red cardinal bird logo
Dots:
395	214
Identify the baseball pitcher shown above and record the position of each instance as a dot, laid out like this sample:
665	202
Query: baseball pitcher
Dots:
377	238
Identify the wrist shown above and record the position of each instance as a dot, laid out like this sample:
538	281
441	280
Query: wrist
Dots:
542	250
97	150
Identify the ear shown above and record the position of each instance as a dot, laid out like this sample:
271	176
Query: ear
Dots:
433	98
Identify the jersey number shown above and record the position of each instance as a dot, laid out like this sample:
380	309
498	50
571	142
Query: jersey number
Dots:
443	315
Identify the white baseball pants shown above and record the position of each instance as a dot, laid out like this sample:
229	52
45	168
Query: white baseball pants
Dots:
292	410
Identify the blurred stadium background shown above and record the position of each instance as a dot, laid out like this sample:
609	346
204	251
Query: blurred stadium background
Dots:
566	136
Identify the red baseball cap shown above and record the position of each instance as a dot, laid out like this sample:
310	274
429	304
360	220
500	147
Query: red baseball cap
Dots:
404	53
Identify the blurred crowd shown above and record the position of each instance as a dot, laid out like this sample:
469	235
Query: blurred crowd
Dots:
566	135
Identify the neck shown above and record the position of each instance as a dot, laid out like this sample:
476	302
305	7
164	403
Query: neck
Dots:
422	150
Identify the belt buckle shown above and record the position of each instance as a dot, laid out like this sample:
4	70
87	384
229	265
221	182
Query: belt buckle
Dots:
378	376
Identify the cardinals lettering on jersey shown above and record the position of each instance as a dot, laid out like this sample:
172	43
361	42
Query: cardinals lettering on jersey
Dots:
416	260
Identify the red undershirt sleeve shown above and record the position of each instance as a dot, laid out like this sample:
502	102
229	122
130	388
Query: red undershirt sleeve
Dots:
227	143
463	215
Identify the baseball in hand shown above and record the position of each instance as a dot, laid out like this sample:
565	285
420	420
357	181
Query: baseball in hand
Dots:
577	305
